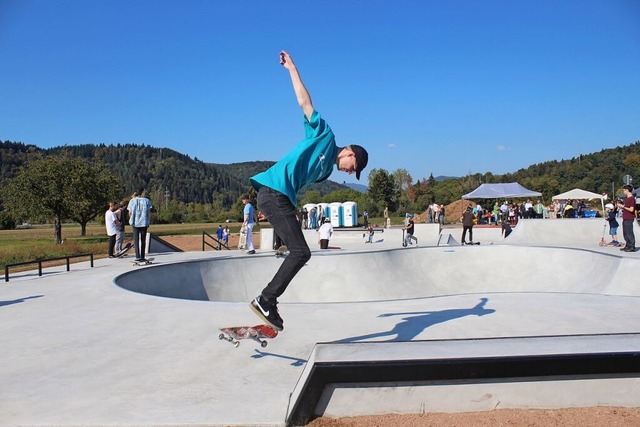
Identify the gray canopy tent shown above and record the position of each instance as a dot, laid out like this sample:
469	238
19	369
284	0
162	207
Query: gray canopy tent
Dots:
501	191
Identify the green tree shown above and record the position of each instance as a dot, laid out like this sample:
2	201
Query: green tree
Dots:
61	187
383	191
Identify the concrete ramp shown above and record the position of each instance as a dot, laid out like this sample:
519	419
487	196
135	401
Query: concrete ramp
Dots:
343	379
582	232
393	274
446	239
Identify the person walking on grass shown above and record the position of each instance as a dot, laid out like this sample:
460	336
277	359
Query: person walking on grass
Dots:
311	161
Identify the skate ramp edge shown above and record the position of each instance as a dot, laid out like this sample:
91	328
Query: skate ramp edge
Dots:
393	274
582	232
351	379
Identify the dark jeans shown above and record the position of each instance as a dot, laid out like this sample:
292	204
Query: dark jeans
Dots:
282	215
627	233
140	241
464	233
112	245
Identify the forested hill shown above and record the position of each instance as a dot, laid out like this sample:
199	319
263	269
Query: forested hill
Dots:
157	169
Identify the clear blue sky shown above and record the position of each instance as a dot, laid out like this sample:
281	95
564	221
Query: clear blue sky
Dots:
431	86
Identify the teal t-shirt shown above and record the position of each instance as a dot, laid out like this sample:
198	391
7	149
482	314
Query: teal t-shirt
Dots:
310	161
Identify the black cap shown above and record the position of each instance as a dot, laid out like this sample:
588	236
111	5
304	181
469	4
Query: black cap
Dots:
362	158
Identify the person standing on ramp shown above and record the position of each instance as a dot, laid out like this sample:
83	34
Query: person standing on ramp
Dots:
310	161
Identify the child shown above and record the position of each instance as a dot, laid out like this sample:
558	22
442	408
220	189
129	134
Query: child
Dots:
613	224
370	233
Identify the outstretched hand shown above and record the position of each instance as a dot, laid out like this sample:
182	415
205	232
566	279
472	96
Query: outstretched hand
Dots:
286	61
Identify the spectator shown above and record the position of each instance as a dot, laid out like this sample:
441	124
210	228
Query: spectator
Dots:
628	206
324	234
225	235
111	223
613	223
121	214
219	233
248	223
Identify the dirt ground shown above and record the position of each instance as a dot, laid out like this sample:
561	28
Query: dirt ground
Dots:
194	243
578	417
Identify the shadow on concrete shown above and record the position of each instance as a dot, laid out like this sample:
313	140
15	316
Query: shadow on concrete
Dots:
296	362
18	301
416	322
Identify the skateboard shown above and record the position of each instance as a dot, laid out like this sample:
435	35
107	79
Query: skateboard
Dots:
470	243
282	251
242	243
124	250
145	262
258	333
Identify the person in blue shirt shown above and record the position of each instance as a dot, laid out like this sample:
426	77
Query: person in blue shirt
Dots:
248	223
219	234
310	161
139	212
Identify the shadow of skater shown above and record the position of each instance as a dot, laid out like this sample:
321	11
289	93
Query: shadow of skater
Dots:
296	361
18	301
416	322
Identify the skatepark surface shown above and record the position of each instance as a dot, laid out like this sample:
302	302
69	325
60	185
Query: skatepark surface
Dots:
123	345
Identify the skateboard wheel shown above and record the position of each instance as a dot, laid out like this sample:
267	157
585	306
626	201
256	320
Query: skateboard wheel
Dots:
236	344
221	336
263	344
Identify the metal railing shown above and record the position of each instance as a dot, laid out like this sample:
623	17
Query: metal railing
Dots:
40	261
219	243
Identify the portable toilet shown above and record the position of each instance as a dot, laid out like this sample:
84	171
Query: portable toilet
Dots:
335	213
324	209
350	214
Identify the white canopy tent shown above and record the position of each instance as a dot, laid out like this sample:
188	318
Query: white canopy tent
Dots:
578	194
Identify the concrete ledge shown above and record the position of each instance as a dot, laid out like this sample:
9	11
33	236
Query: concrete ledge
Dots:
336	374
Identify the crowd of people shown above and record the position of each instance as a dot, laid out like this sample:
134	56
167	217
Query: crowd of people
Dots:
435	214
136	212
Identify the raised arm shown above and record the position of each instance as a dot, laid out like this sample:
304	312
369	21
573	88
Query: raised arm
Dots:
302	95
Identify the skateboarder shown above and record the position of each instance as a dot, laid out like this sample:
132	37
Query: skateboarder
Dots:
467	224
139	212
311	161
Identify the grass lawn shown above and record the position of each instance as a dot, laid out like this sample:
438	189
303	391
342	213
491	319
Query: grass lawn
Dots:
38	242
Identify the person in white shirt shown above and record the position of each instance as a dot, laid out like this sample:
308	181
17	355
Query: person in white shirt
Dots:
325	232
111	224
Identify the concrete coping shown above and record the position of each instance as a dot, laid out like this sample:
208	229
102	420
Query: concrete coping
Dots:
461	359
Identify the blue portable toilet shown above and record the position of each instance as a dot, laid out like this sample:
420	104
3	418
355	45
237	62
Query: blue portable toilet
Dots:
350	214
335	213
324	208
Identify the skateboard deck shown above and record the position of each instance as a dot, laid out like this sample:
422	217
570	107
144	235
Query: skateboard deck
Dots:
145	262
242	243
258	333
282	251
124	250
